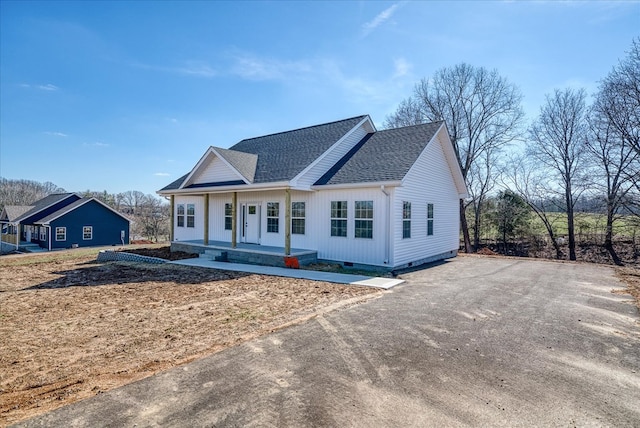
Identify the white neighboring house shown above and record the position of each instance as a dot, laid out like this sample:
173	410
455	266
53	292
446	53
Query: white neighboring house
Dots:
341	190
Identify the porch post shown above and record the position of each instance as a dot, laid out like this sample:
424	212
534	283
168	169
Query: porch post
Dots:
287	222
172	208
18	236
206	219
234	219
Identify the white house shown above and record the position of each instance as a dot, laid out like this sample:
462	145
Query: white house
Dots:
340	192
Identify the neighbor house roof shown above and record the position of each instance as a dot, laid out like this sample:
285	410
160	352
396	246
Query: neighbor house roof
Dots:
72	206
43	204
382	156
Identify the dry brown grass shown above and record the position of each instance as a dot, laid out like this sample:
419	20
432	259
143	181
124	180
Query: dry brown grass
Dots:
71	328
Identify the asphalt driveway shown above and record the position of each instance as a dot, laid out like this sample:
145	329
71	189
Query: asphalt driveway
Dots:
470	342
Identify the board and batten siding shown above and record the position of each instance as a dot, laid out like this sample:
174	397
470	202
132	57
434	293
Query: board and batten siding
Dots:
428	181
348	249
332	156
217	231
216	171
189	233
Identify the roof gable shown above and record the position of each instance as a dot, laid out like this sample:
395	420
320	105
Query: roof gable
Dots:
80	202
11	212
45	203
221	166
386	155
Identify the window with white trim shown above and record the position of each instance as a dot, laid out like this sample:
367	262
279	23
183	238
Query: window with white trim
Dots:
364	219
298	215
228	216
191	215
180	215
61	233
406	220
87	233
43	233
339	218
429	219
273	217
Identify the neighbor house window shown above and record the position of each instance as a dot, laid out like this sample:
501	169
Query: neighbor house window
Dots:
228	216
87	233
429	219
180	215
43	233
61	233
364	219
273	217
338	218
191	215
297	218
406	220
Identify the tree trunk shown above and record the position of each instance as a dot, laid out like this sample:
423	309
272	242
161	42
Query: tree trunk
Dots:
465	228
608	239
570	223
476	228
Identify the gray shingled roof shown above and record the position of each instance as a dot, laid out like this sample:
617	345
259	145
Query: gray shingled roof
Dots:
385	156
14	211
44	203
284	155
244	163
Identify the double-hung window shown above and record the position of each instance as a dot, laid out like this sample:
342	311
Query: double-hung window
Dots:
180	215
297	218
191	215
339	218
364	219
228	216
429	219
61	233
273	217
406	220
87	233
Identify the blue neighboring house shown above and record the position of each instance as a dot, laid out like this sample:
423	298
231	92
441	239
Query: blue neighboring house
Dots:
64	220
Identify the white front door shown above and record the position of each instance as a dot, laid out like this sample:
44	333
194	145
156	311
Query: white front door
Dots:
251	223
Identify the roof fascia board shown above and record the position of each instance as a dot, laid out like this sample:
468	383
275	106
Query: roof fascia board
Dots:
63	211
319	159
276	185
357	185
452	160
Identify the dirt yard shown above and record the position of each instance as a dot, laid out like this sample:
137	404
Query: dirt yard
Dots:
71	328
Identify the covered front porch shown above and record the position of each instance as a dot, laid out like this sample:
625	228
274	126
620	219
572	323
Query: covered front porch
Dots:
247	253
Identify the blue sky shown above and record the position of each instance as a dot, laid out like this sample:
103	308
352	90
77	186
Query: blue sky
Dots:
123	96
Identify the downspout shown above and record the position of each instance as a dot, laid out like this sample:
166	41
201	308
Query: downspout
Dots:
49	227
387	224
18	236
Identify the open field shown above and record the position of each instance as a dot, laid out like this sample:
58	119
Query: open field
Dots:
71	328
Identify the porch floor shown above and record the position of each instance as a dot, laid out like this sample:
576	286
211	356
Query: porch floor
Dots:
244	247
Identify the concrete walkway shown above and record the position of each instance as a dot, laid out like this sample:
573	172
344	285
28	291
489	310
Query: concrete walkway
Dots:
339	278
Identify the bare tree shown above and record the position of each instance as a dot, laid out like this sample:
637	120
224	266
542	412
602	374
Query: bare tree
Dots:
614	141
152	218
524	177
24	192
482	111
557	142
480	181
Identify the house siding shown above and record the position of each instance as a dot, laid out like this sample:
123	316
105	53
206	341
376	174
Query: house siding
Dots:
429	181
105	223
215	171
189	233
